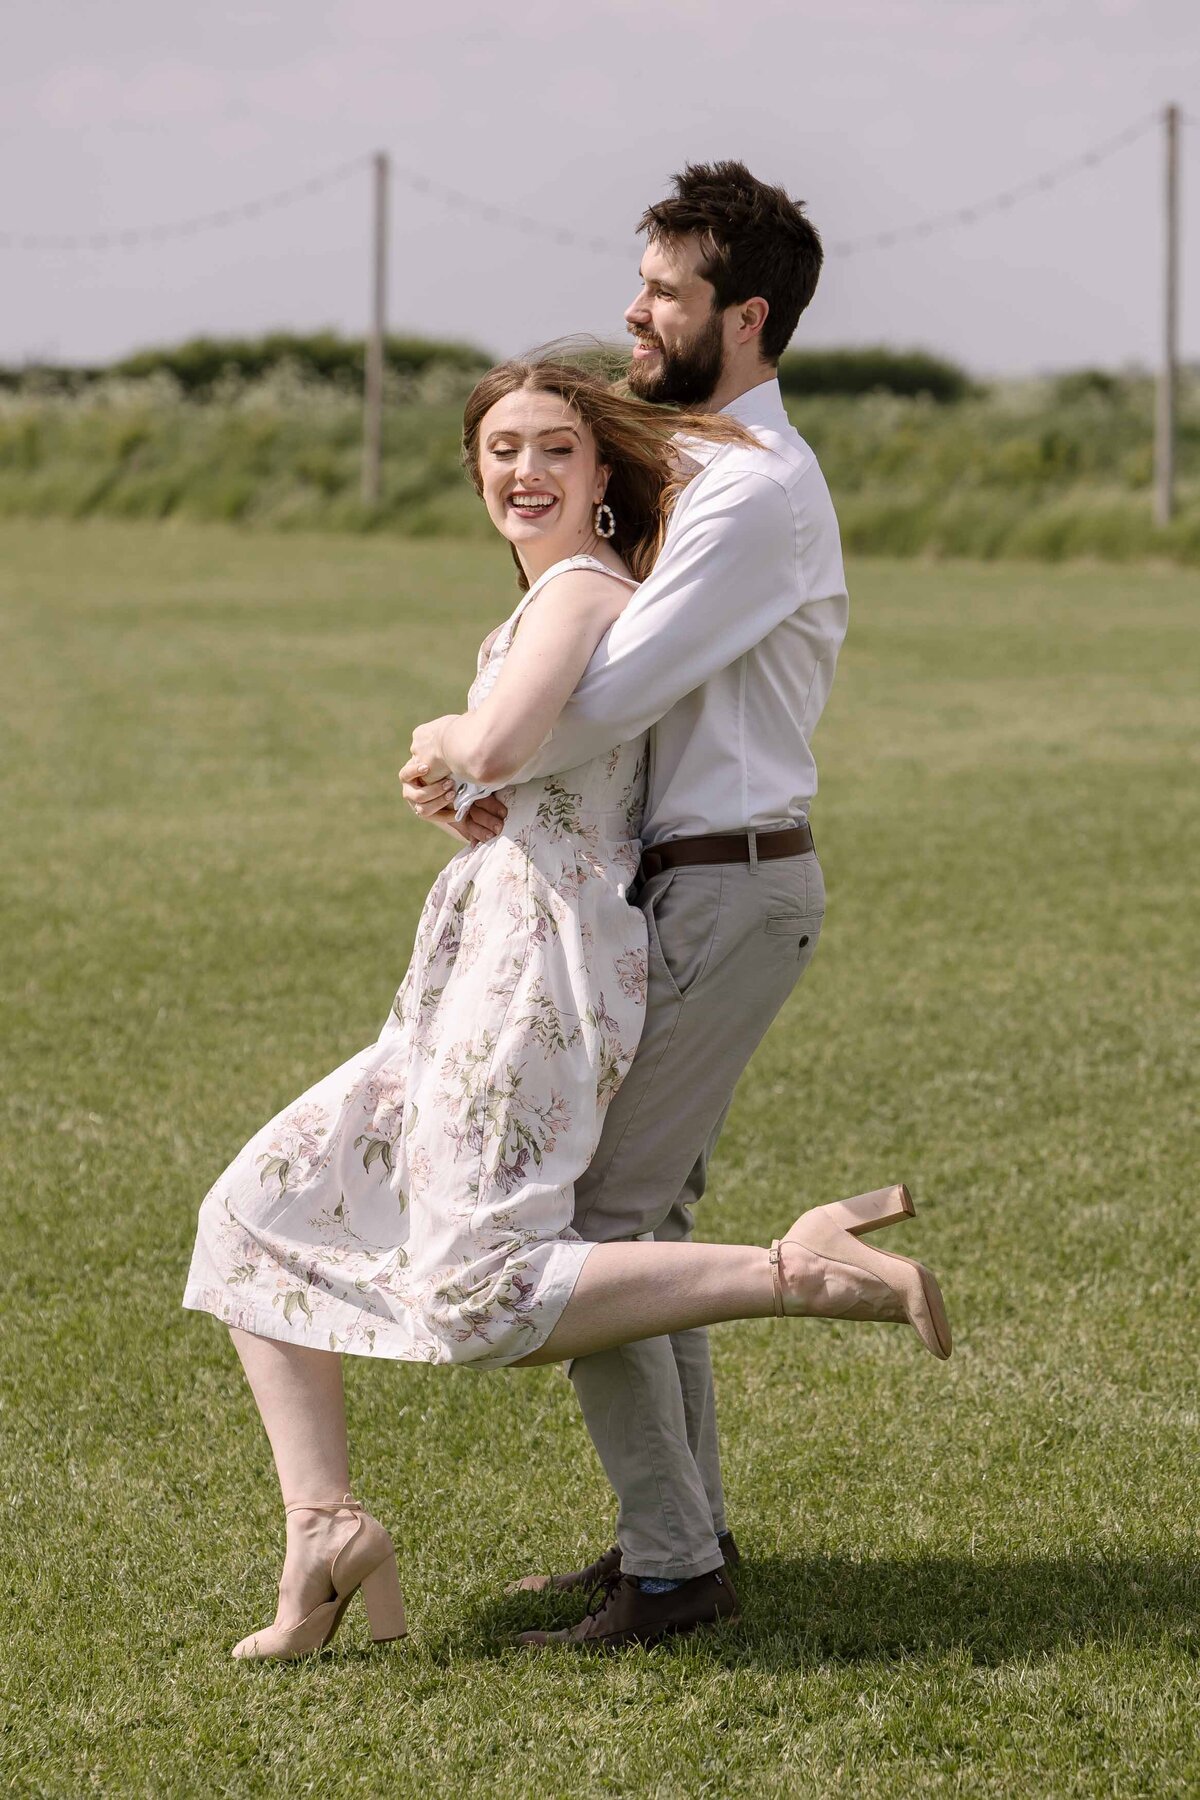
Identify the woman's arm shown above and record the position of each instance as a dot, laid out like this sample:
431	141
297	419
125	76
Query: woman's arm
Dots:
552	647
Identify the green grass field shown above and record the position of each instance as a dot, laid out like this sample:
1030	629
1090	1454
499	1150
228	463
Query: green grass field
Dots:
977	1579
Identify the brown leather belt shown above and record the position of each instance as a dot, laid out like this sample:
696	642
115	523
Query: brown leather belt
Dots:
725	847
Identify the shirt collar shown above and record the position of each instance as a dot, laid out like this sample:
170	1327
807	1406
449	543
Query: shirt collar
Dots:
760	406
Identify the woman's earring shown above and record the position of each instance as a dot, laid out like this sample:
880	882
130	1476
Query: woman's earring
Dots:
605	525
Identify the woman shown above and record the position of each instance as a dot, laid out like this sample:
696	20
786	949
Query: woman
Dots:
416	1203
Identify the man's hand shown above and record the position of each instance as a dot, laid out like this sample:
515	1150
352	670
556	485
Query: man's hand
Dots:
426	747
434	802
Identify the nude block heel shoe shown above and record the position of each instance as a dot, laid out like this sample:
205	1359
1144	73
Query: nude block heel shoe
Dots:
852	1280
366	1560
871	1212
384	1603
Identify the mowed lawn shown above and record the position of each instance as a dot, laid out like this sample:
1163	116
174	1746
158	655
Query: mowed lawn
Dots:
979	1578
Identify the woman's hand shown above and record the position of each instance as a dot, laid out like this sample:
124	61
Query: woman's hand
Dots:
426	797
434	802
426	748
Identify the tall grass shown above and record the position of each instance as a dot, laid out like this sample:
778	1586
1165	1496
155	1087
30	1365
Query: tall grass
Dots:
1040	469
284	452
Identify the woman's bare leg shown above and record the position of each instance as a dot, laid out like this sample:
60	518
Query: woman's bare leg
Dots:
629	1291
300	1400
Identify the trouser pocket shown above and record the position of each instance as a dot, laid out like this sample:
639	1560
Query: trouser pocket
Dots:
683	910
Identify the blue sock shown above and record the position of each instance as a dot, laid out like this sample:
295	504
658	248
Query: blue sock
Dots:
651	1584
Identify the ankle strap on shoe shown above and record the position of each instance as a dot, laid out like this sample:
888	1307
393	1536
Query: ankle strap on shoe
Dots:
347	1504
775	1257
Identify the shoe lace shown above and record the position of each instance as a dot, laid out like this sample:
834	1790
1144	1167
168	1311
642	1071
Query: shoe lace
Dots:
597	1573
602	1593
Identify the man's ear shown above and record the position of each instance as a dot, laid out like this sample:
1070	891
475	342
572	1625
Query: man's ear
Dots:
751	317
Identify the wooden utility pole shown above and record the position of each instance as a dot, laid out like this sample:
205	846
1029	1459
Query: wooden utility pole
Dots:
1164	431
373	386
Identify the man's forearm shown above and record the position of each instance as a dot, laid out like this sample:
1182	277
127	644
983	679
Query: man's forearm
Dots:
575	741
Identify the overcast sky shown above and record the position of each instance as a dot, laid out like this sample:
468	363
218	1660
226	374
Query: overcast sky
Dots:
123	113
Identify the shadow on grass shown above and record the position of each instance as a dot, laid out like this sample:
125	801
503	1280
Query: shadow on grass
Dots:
813	1610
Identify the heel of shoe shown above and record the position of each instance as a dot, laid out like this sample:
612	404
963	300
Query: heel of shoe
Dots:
384	1603
871	1212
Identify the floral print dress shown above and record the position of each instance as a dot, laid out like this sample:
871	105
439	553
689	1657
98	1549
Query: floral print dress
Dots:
417	1202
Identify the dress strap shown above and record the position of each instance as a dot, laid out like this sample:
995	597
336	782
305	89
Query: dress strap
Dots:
575	562
595	563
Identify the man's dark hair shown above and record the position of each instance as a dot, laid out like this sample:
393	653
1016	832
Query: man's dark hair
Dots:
755	241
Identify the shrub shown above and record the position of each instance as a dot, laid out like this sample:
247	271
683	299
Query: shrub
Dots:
199	364
202	363
875	369
1087	384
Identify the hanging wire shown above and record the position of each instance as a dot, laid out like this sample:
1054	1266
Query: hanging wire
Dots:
981	209
502	215
156	234
493	214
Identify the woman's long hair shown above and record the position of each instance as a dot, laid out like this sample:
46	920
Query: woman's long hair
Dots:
633	438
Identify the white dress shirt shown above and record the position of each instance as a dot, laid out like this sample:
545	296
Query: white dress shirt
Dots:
728	647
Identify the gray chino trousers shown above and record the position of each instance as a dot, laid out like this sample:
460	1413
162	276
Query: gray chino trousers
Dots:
727	944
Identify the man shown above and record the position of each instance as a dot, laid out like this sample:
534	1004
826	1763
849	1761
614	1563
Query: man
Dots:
728	651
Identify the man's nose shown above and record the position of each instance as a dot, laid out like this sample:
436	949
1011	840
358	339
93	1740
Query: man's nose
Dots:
638	312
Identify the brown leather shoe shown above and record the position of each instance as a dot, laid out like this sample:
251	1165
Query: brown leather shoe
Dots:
623	1614
597	1573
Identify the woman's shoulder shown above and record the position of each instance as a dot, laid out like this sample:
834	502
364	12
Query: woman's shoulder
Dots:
585	585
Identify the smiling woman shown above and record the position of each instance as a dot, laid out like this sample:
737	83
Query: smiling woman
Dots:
542	477
572	472
546	443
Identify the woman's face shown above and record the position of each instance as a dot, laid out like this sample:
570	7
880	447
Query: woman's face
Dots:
542	480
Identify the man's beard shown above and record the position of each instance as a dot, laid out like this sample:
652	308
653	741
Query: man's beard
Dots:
686	376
